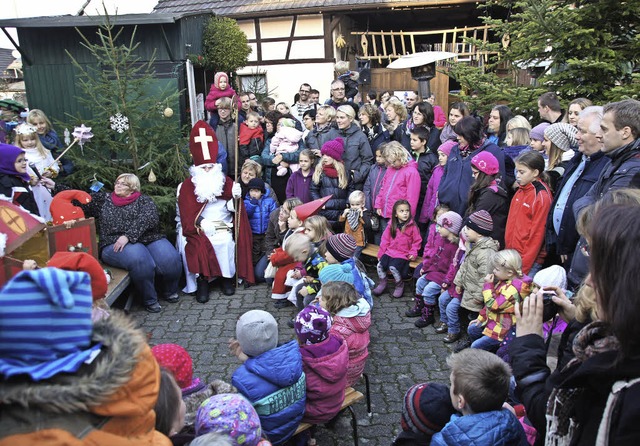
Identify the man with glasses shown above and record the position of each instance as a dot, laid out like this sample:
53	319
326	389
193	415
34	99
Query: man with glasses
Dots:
299	108
338	96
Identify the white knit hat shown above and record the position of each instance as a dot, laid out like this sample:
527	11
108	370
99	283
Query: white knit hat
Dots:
555	275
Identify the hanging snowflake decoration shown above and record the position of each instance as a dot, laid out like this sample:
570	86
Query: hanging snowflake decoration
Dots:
119	123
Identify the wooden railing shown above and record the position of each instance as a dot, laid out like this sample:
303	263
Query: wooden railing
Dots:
391	45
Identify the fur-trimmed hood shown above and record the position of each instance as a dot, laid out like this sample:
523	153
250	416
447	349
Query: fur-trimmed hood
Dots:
94	384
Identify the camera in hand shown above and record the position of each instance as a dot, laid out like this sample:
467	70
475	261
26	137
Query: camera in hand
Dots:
550	307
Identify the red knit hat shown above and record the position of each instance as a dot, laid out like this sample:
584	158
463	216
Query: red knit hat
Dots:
63	210
333	148
306	210
81	261
486	163
177	360
203	144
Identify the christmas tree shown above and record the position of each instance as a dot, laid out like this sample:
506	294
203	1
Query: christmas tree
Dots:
134	128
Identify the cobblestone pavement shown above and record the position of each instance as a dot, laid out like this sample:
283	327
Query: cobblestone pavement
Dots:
399	354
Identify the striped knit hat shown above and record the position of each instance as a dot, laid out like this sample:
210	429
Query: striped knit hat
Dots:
45	320
562	135
341	246
481	222
427	408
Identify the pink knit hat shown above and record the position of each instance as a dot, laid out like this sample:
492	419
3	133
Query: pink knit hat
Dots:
333	148
446	146
486	163
217	76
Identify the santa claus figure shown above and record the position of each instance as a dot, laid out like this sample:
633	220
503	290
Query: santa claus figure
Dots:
208	214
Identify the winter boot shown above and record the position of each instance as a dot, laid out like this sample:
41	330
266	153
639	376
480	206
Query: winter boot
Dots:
417	308
398	291
450	338
202	293
381	287
427	317
227	286
441	328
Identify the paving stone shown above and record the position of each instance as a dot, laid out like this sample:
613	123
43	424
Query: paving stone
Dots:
400	355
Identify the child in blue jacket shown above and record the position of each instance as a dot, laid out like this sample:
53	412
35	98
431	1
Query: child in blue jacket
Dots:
479	388
259	206
271	376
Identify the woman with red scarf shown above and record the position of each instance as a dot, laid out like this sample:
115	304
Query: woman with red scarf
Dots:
130	239
330	178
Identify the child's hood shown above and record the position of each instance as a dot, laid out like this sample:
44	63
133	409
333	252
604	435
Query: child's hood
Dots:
332	367
290	133
280	366
360	308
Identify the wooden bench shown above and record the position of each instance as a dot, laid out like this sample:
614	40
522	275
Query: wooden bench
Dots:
371	250
120	280
351	396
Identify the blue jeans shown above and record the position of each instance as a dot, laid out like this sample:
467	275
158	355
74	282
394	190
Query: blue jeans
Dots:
258	270
481	341
428	290
449	312
144	262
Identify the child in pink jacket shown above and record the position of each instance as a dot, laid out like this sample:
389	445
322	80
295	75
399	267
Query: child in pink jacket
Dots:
351	321
219	89
401	180
325	358
399	246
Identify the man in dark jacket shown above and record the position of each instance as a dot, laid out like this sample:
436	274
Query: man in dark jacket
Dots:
582	172
621	138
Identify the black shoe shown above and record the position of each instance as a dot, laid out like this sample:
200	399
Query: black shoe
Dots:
174	298
422	322
227	286
461	345
282	303
441	328
154	308
202	293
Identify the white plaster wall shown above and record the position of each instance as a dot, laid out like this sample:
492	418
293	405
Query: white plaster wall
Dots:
286	78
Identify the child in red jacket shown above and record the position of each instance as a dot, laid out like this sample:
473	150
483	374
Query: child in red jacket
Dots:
528	212
219	89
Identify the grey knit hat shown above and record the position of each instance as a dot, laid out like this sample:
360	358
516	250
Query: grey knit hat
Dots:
562	135
257	332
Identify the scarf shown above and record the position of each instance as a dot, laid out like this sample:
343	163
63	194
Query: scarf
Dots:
593	339
9	155
447	134
330	171
372	132
353	218
466	150
123	201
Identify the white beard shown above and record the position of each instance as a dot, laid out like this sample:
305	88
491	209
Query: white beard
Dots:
208	185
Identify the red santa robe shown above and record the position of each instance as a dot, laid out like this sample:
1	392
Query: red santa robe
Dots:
201	257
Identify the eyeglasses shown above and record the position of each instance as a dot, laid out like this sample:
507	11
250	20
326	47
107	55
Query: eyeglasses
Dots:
121	183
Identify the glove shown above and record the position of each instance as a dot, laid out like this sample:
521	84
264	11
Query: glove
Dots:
253	201
236	190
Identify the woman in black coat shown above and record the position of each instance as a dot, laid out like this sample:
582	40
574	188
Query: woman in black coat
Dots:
330	178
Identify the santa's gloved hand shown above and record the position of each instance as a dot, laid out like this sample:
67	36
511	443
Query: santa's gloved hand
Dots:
236	190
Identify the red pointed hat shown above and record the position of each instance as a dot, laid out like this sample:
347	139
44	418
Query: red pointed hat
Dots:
62	209
81	261
306	210
203	144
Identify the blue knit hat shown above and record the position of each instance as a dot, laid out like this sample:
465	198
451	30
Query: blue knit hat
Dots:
346	271
45	323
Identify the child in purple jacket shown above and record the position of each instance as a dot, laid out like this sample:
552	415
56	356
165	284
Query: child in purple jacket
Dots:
300	180
435	267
